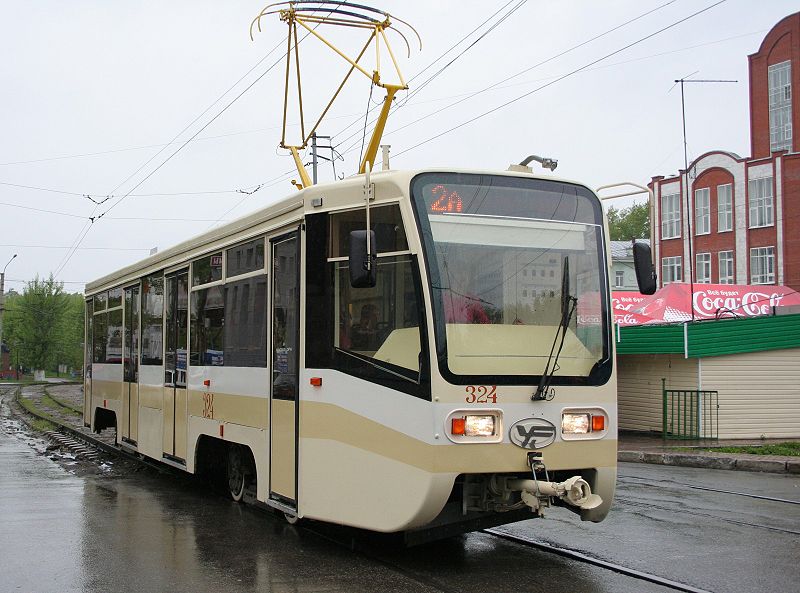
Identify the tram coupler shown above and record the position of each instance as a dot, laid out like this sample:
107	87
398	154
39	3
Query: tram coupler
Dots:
537	493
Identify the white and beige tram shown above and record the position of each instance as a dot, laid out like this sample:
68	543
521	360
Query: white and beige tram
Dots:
451	369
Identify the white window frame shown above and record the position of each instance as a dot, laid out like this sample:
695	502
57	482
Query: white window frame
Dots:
702	211
724	207
673	265
670	216
703	268
760	201
762	265
726	270
619	278
779	86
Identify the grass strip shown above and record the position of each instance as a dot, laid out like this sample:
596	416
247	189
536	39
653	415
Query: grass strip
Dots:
49	398
788	449
42	418
42	425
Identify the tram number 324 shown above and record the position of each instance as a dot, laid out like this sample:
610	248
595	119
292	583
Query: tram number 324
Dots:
481	394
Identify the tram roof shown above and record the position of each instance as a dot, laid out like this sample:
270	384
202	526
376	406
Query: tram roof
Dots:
389	185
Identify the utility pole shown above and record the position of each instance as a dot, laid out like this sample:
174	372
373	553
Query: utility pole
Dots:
689	210
315	156
2	304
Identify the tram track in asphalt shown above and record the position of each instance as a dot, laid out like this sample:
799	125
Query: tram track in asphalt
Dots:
646	481
591	560
684	511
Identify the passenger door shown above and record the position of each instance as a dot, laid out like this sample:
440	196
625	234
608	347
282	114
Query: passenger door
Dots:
130	360
176	295
284	343
88	355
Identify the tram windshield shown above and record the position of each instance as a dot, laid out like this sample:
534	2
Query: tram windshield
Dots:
496	248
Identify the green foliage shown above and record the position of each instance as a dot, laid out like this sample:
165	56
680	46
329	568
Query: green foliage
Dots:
629	223
44	326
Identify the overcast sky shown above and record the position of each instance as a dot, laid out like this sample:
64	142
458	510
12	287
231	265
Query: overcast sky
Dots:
91	90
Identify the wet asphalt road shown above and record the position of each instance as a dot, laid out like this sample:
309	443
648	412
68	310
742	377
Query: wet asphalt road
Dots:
710	540
148	532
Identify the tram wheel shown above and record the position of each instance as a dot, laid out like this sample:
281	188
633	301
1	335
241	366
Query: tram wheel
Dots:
236	473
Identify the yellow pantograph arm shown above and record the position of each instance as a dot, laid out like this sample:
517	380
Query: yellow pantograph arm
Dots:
377	133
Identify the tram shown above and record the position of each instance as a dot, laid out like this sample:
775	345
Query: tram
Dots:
421	352
444	376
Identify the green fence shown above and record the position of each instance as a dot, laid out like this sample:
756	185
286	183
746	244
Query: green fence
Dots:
689	414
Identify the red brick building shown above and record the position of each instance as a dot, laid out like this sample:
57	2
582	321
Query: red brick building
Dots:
745	212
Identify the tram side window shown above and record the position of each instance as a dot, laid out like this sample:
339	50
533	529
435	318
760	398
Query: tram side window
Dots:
207	327
386	221
244	258
153	320
246	323
207	269
114	298
114	337
99	336
380	323
100	301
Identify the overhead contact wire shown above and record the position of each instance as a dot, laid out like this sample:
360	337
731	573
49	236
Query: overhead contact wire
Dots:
563	77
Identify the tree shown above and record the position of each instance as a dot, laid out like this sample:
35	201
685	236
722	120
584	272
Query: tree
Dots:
42	324
629	223
70	344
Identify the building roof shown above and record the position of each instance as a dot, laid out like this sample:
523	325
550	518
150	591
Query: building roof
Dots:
623	249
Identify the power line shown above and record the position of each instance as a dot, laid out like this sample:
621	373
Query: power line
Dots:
43	210
61	281
149	195
563	77
498	85
26	246
91	219
459	42
85	231
87	227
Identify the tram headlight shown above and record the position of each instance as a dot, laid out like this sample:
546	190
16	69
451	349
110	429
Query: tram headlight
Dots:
575	423
473	426
479	426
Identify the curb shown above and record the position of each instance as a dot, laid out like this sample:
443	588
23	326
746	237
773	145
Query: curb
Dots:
775	466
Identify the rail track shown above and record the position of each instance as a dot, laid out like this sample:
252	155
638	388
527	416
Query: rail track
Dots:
654	483
586	559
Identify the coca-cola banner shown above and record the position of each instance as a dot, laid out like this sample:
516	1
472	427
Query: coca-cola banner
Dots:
674	302
625	301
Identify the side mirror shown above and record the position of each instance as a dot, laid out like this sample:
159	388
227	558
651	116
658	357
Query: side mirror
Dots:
643	264
362	264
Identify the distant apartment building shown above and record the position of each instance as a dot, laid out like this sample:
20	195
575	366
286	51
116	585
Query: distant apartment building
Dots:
734	220
623	275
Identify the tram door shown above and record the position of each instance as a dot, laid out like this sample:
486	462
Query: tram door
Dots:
176	295
87	363
283	417
130	359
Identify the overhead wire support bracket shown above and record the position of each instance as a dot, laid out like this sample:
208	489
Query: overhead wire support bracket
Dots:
345	14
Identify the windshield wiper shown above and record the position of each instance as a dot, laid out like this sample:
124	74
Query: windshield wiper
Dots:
568	305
